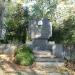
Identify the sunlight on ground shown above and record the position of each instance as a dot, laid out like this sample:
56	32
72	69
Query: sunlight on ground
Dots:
4	57
67	69
8	66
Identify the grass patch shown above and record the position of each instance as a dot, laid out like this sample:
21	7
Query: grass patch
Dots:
24	56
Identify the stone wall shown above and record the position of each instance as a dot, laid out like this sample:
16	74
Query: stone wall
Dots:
69	52
56	49
7	48
62	50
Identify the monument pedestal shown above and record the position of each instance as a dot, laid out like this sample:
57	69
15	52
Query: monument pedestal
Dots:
40	44
40	31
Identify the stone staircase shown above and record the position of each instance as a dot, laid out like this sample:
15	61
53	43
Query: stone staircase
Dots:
48	64
45	64
46	56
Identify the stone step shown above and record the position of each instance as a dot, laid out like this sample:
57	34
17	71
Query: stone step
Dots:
50	64
19	73
54	62
41	51
37	73
48	59
49	67
58	73
43	54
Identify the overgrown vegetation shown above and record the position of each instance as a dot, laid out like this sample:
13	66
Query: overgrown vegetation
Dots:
65	34
16	21
17	24
24	56
44	9
69	30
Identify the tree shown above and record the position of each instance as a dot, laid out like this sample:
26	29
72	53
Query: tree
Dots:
17	24
62	30
44	8
69	30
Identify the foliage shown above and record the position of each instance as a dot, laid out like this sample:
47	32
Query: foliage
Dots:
44	8
66	33
17	24
57	35
69	30
24	56
17	20
62	25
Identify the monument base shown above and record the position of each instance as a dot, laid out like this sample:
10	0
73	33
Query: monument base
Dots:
40	44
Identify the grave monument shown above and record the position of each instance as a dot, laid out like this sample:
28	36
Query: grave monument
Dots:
41	31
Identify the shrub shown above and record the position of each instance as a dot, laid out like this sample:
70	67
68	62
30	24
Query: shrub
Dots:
24	56
16	24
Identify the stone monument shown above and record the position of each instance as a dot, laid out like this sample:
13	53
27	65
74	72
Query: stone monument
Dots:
40	32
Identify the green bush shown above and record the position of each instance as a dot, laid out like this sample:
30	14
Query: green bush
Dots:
17	24
24	56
